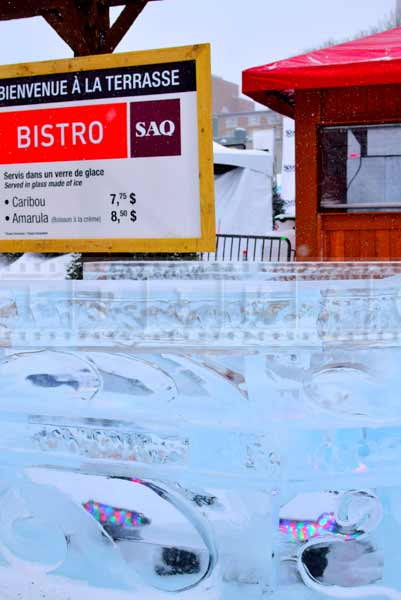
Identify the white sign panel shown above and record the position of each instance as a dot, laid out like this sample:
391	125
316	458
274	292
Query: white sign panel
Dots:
288	175
106	158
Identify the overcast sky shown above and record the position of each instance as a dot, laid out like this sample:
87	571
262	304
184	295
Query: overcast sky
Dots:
243	33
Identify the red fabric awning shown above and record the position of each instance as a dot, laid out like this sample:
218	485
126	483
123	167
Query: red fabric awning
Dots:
372	60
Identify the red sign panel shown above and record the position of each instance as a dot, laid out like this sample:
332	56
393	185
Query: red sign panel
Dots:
156	128
76	133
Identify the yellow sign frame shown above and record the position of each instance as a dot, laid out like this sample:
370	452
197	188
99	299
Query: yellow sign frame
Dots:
206	242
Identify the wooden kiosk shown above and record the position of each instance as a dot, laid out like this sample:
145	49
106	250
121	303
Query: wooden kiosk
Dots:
346	101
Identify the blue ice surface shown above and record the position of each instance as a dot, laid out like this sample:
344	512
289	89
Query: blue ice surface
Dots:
224	401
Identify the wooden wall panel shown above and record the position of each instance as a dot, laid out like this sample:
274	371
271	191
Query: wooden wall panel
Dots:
337	245
360	221
383	237
368	244
361	104
344	105
395	244
352	245
342	239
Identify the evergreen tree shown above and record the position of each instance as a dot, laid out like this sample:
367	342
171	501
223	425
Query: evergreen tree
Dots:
10	258
278	204
74	270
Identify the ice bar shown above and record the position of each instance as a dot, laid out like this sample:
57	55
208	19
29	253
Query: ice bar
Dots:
226	431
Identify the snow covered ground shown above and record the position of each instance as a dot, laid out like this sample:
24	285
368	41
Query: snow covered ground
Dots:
33	266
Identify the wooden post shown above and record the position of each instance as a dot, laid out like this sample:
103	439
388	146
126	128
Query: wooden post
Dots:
85	25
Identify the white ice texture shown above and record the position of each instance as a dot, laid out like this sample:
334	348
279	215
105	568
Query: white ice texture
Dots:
199	431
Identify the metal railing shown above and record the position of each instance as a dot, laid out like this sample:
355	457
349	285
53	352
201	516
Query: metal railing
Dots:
235	247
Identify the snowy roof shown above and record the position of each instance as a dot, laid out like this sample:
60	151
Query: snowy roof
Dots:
257	160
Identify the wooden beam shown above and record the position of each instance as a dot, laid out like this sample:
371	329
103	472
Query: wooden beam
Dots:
274	100
68	24
22	9
95	18
28	8
123	23
83	24
121	2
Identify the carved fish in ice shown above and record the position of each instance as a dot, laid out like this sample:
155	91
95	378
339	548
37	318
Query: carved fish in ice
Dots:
51	381
48	374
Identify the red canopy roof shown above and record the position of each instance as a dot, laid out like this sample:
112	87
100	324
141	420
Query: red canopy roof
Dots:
372	60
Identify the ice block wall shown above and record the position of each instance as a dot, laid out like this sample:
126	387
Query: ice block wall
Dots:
202	431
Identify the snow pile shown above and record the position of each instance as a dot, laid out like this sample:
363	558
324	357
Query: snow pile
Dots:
35	266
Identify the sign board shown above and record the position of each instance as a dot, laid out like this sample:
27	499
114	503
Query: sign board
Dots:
109	153
288	177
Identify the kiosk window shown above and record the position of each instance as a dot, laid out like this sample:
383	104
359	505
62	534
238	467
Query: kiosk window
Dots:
360	167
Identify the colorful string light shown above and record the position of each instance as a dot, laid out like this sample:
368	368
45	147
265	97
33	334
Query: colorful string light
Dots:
117	517
305	530
302	531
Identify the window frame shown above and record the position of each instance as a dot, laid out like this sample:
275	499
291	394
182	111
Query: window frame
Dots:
345	207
